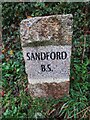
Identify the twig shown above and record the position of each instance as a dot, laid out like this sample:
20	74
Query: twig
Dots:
80	112
83	52
85	29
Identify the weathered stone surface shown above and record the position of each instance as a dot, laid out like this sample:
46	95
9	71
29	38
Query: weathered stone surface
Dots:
55	28
54	89
41	38
60	67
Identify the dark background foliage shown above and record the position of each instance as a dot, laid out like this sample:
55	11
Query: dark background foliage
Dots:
16	101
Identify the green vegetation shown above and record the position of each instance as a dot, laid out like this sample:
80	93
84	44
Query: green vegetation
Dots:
16	101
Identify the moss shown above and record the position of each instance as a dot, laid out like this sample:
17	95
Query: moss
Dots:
43	43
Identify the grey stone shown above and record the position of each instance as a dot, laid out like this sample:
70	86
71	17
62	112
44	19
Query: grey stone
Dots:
55	28
44	40
60	69
47	90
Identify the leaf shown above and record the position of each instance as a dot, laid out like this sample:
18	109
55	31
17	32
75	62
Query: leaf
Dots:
29	16
11	52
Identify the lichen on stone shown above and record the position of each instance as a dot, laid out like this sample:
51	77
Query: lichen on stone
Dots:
55	28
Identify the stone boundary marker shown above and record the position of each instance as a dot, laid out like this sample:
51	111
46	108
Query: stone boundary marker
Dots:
46	43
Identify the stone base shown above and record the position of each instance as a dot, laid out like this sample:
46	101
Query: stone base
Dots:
55	90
